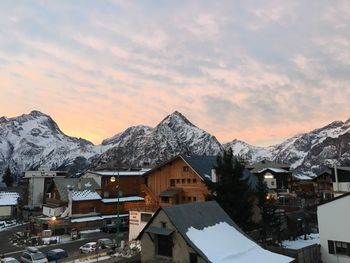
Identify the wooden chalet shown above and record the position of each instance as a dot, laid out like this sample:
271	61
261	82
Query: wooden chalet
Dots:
180	180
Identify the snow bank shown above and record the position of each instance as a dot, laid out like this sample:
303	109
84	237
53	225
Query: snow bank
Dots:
300	242
222	243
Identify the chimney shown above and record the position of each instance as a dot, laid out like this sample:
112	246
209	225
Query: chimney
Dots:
336	186
214	178
79	184
70	200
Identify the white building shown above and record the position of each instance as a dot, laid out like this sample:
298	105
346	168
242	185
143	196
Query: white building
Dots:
341	180
36	183
8	203
334	228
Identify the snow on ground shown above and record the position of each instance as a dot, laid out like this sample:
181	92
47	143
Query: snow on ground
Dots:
223	243
300	242
8	198
90	231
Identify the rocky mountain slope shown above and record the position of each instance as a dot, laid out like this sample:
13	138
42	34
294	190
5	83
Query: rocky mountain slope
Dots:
141	145
308	153
34	139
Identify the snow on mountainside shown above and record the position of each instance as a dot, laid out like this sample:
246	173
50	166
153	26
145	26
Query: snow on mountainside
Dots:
307	153
34	139
141	144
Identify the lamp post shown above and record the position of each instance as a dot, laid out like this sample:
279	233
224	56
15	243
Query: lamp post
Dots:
113	179
53	220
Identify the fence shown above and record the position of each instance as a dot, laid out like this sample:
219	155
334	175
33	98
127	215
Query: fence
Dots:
309	254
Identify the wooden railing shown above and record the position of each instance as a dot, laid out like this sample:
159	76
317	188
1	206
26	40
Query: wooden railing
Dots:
139	206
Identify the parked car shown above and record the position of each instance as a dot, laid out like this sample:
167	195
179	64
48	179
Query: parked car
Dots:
111	228
9	260
33	255
88	247
56	254
105	243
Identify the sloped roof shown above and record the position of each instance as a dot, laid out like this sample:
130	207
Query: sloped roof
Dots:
76	184
203	215
85	195
8	198
257	167
202	164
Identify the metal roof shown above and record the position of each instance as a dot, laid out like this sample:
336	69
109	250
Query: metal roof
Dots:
202	164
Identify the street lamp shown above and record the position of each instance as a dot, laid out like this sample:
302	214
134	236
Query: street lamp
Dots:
53	220
113	179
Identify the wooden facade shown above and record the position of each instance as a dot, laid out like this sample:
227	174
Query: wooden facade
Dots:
175	182
128	186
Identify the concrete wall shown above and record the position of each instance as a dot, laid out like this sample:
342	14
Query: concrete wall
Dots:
333	223
50	212
5	211
36	191
136	224
180	249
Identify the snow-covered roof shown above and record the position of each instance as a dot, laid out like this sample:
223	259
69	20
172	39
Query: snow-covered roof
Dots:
276	170
121	173
86	219
300	242
302	177
212	234
8	198
95	218
222	243
122	199
85	195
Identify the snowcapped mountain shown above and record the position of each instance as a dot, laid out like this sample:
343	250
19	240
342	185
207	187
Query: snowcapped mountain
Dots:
34	139
307	153
141	144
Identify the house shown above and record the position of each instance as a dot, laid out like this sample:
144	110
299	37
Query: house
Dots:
77	203
128	181
8	205
179	180
196	233
323	184
333	223
341	180
276	175
34	186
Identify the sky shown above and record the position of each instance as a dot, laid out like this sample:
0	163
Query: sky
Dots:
258	71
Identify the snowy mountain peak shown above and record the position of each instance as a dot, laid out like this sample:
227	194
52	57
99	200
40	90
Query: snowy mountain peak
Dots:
176	118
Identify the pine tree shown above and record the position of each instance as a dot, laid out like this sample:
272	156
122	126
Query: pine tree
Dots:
231	191
7	177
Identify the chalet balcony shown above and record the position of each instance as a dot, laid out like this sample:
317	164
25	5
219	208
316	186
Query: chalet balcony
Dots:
142	207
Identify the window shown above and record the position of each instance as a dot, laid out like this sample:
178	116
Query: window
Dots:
163	224
92	209
193	258
338	247
188	181
184	198
165	199
272	183
185	168
177	181
189	198
194	199
145	217
172	182
183	181
194	180
164	245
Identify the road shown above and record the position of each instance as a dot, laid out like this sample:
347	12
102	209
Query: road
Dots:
72	247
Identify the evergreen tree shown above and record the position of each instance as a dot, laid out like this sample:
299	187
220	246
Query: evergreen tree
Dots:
261	191
7	177
231	191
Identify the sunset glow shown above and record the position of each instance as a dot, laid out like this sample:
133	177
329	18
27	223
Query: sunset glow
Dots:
257	71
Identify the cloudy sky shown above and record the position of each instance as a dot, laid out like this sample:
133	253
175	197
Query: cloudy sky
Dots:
259	71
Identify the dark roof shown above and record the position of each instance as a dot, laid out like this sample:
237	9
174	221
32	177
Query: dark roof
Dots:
202	164
170	192
256	167
334	199
198	215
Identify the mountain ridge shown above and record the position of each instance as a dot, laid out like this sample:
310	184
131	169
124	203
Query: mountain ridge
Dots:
35	139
